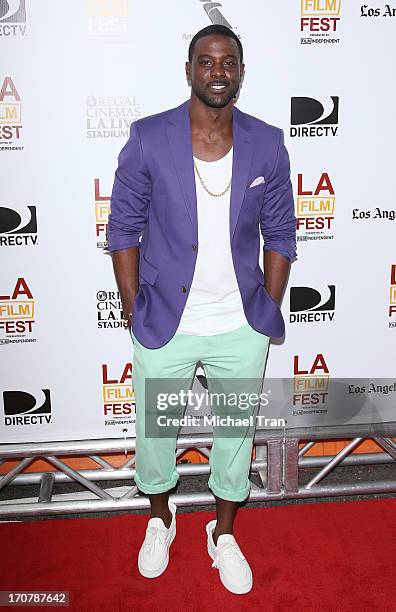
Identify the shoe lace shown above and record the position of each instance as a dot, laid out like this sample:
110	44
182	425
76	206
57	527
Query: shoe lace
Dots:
155	536
225	551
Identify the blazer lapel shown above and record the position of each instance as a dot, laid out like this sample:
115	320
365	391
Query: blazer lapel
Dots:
241	162
179	135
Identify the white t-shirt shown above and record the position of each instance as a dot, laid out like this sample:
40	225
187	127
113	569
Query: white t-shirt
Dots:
214	304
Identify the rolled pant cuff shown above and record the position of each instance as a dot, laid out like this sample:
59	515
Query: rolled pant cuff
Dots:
153	489
235	496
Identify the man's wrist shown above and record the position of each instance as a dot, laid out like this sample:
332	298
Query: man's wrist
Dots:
127	309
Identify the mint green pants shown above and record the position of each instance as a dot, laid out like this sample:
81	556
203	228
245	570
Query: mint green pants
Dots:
240	353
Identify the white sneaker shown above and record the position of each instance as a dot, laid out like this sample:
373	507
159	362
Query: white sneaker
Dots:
154	553
235	572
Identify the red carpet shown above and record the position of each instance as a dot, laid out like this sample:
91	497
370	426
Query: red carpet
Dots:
327	557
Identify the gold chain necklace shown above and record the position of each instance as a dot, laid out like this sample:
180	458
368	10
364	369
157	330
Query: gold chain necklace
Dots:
215	195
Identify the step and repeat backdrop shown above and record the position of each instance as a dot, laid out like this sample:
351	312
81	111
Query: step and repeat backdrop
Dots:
74	75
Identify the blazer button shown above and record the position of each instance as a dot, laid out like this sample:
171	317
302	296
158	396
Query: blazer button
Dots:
184	289
194	247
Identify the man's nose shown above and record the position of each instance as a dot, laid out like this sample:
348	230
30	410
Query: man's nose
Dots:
217	69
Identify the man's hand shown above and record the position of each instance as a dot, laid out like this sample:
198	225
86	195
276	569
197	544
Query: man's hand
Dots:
126	271
276	273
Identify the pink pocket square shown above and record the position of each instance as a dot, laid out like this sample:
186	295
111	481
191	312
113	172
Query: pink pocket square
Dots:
257	181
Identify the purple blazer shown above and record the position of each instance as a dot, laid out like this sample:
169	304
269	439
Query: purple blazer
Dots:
154	197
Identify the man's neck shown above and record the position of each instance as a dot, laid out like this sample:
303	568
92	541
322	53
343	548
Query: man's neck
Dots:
208	121
211	129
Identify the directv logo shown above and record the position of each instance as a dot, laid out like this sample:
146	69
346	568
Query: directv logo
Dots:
308	305
318	118
12	18
24	408
18	226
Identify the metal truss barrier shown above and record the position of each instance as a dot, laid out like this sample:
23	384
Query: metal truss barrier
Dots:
278	463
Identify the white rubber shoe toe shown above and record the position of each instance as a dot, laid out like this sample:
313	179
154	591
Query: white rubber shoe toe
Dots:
234	570
153	556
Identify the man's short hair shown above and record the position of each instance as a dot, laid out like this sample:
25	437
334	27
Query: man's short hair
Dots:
214	29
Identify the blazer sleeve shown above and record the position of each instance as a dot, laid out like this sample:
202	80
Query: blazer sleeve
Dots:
277	219
130	196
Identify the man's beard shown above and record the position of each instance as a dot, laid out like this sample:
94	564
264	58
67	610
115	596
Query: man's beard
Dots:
215	101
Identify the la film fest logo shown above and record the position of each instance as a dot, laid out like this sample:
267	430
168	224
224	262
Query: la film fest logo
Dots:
17	314
319	21
392	295
118	395
311	118
315	208
109	310
310	386
10	116
107	18
23	408
12	18
308	305
102	211
110	116
18	226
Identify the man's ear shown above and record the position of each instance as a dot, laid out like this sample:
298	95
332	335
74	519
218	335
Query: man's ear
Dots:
188	72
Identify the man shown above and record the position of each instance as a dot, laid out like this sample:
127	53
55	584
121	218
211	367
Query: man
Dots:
197	184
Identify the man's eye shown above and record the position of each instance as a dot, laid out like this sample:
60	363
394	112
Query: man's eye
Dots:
229	62
205	62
